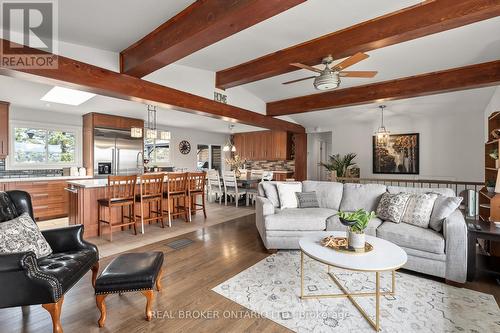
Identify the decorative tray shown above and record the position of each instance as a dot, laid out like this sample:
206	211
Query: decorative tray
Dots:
340	244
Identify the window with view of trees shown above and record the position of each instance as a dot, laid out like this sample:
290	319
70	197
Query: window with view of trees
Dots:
157	152
37	146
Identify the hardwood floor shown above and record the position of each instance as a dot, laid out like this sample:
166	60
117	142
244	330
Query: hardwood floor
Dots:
217	253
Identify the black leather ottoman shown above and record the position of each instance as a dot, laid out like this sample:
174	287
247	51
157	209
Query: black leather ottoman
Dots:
130	272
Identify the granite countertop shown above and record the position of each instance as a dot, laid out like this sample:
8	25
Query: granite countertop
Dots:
46	178
89	183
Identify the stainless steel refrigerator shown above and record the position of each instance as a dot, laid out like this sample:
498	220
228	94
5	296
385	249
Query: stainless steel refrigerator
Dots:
117	153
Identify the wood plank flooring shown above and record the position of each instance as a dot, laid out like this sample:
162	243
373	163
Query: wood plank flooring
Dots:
218	253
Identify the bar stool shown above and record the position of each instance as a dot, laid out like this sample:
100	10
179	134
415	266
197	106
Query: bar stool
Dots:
196	187
151	191
176	191
120	192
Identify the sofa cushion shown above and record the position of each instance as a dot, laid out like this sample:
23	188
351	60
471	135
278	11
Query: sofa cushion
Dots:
443	207
286	194
419	209
329	193
22	235
299	219
333	224
307	199
447	192
413	237
392	206
366	196
271	192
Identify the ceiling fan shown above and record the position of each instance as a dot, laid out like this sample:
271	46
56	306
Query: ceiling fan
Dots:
329	77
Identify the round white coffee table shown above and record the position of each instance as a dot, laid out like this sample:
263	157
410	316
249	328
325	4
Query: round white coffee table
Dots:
384	257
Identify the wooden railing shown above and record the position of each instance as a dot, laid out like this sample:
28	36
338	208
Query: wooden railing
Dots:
469	191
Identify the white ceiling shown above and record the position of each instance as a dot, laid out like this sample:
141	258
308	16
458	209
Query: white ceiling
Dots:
26	94
113	25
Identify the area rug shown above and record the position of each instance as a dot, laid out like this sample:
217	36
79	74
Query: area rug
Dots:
271	289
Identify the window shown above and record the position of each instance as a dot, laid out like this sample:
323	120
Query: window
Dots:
44	147
157	151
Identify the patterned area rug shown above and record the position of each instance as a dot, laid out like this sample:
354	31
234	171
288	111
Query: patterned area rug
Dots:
271	288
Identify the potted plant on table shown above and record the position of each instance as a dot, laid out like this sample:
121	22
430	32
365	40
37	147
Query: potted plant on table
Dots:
356	222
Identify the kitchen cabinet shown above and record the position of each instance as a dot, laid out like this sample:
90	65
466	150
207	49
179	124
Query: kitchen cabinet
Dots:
48	198
263	145
282	175
4	129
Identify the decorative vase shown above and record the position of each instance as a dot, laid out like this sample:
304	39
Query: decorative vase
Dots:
356	240
490	189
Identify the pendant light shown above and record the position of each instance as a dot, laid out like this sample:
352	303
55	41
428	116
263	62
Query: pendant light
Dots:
150	131
229	146
382	133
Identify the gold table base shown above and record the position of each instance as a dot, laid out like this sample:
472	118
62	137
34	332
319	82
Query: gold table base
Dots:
345	293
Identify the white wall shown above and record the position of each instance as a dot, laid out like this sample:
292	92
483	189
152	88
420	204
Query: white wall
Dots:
451	145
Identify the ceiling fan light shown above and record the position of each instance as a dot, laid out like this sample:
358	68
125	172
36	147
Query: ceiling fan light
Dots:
327	80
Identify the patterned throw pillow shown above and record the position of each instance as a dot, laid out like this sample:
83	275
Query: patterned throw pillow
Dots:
419	209
22	235
392	206
307	200
7	208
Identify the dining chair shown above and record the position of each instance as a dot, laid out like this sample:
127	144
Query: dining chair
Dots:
176	192
231	188
214	185
151	192
120	192
252	192
196	187
267	176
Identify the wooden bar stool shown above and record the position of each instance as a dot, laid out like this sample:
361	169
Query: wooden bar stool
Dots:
196	187
151	192
120	192
175	192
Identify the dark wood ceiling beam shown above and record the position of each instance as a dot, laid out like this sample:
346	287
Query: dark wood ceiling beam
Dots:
78	75
203	23
424	19
462	78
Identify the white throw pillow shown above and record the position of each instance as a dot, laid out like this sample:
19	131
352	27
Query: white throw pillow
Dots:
286	193
22	235
271	192
419	209
443	207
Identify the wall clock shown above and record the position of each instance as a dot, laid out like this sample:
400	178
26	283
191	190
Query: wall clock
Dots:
184	147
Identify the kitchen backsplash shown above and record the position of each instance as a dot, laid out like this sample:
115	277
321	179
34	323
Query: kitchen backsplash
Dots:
28	173
271	165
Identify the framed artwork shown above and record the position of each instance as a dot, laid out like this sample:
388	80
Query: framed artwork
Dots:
396	154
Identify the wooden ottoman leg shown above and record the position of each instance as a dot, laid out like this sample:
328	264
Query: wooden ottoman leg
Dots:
149	298
55	313
101	305
158	280
95	270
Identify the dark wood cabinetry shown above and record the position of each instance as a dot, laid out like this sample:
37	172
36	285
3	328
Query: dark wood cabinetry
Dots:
263	145
4	129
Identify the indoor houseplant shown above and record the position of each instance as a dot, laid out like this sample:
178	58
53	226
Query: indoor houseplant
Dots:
356	222
490	186
339	164
236	163
494	155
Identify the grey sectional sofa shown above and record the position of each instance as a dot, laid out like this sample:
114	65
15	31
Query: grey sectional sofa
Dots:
430	252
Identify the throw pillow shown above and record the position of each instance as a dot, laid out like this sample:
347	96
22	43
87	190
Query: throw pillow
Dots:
7	209
271	192
419	209
286	193
307	200
22	235
443	207
392	206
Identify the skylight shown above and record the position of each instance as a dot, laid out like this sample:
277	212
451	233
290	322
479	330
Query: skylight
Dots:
67	96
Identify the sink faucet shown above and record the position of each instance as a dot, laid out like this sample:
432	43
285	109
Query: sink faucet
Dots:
140	162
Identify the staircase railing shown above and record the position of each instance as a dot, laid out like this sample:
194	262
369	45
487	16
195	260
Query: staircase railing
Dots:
469	191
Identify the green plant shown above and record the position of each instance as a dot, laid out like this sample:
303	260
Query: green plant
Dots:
494	154
490	183
340	164
361	216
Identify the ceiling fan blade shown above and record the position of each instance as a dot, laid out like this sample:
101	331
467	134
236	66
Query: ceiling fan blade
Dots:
298	80
366	74
299	65
354	59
